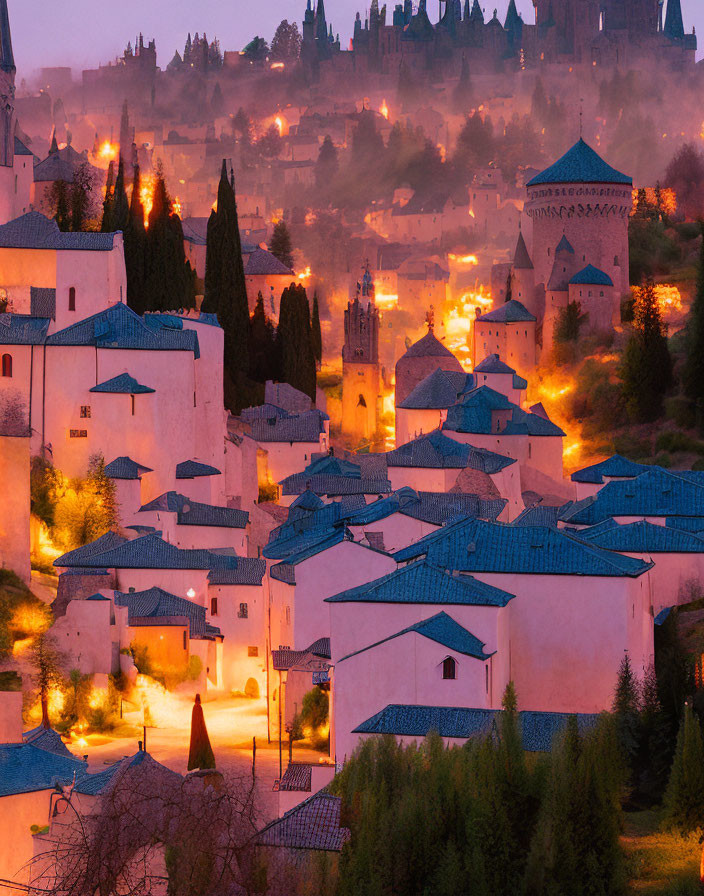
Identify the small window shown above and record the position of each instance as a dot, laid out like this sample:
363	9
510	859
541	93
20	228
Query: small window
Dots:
243	611
252	651
85	411
449	669
72	299
185	640
486	670
132	404
78	433
213	606
288	615
530	450
7	365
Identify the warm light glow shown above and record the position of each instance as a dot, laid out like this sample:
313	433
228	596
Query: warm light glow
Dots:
463	259
471	213
305	275
277	66
384	110
108	152
176	207
668	297
279	122
385	301
146	194
191	593
459	315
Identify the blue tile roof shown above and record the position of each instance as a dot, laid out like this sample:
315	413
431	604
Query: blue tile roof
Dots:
193	513
306	427
538	729
442	629
580	165
248	571
655	493
148	552
94	785
313	824
686	523
478	546
439	390
333	486
285	570
81	556
428	346
36	231
474	415
422	583
645	538
510	312
47	739
538	515
308	500
42	302
284	547
155	603
192	469
23	329
431	507
591	276
125	468
438	451
26	767
614	466
123	384
119	327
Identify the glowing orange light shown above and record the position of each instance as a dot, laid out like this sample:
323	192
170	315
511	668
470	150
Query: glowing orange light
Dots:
384	301
279	122
305	275
277	66
463	259
108	152
384	110
176	207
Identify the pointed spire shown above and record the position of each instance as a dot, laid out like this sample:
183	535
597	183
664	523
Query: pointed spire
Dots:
54	148
7	58
466	10
674	26
477	15
521	258
512	23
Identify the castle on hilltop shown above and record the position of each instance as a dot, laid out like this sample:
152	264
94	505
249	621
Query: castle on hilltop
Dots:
570	32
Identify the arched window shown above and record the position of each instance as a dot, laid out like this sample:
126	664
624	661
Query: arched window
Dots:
7	365
72	299
449	668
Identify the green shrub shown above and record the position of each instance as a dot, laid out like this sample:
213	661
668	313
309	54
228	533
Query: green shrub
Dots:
10	681
675	440
681	411
633	446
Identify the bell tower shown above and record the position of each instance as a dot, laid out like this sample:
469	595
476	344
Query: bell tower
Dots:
361	373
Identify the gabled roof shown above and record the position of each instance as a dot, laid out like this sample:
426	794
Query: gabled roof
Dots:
308	500
146	552
474	415
439	390
538	515
249	571
686	523
521	258
615	466
478	546
36	231
538	729
23	329
305	427
591	276
47	739
442	629
193	513
26	767
423	583
580	165
313	824
508	313
493	364
155	603
438	451
81	556
329	475
655	493
124	384
192	469
263	263
119	327
430	507
428	346
284	658
125	468
645	538
142	762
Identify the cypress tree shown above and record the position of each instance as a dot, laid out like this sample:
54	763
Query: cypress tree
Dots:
135	249
121	209
262	345
693	375
316	335
684	798
327	165
106	225
646	369
294	340
60	200
462	97
225	287
626	709
280	244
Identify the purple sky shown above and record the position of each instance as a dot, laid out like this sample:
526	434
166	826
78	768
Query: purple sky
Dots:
82	33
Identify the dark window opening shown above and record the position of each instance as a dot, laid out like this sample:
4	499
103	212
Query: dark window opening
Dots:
243	612
72	299
213	606
449	668
7	365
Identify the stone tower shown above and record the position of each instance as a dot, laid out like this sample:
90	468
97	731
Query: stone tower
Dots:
7	90
361	373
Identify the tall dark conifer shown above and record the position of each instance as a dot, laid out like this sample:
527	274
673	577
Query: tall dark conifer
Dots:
262	345
121	208
106	225
294	342
225	286
135	249
693	376
316	335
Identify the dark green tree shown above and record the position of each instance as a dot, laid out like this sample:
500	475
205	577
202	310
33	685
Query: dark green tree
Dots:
327	166
475	144
135	238
120	208
294	340
684	798
626	711
693	374
81	198
106	224
225	287
646	369
286	43
60	199
316	335
280	244
263	364
462	96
